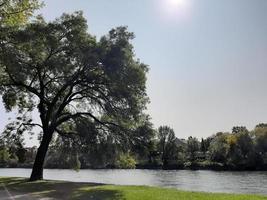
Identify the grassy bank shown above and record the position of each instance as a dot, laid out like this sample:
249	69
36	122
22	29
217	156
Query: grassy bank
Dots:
19	187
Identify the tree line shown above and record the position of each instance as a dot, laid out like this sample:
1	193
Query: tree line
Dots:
150	149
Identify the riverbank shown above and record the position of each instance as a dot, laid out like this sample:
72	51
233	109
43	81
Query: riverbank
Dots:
214	166
20	188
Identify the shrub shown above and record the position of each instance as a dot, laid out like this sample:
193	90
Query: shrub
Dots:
126	161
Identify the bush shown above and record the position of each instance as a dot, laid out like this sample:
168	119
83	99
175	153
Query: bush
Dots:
126	161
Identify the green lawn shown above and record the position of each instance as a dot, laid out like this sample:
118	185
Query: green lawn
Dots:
70	190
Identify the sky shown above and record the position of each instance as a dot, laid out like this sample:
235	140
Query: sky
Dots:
207	59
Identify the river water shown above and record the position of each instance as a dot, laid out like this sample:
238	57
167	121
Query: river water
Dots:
200	180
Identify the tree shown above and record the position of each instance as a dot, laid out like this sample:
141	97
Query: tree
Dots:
260	135
219	148
4	154
97	149
238	129
126	161
167	144
192	147
143	139
245	144
66	74
261	125
16	12
204	144
62	154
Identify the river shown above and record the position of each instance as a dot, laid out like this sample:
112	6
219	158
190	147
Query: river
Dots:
200	180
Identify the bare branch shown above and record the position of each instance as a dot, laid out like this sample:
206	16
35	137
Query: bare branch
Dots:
32	124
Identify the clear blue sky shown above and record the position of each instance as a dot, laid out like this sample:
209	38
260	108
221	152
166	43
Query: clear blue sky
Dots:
208	59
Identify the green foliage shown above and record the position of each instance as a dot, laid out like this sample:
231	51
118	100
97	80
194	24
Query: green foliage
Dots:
126	161
102	78
92	148
4	156
63	154
167	144
67	75
260	135
205	144
240	149
16	12
143	138
192	148
239	129
219	148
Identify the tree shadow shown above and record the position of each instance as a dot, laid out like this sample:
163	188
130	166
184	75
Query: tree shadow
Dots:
59	189
98	194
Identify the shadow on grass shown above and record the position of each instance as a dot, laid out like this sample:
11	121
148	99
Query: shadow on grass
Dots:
98	194
59	189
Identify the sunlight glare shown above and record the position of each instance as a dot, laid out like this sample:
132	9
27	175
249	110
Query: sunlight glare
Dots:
177	2
175	9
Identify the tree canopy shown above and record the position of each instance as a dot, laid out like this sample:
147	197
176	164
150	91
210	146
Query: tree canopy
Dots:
15	12
66	74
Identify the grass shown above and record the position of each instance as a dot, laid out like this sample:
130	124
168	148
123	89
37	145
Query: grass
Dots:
92	191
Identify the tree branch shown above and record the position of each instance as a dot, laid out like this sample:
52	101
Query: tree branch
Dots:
32	124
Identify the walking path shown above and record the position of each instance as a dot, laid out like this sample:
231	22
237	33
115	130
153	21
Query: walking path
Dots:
6	195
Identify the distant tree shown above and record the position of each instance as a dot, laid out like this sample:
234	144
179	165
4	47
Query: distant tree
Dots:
238	129
167	145
259	135
261	125
98	149
4	154
65	73
126	161
204	144
143	139
62	154
245	144
241	150
219	148
192	147
21	153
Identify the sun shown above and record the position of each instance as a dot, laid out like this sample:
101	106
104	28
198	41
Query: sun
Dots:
175	10
177	2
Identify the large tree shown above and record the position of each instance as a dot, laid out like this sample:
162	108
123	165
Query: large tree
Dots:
66	74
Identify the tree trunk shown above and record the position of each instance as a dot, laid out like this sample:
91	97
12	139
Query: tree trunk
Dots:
38	166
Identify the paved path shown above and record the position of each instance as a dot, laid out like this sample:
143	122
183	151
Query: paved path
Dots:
5	194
